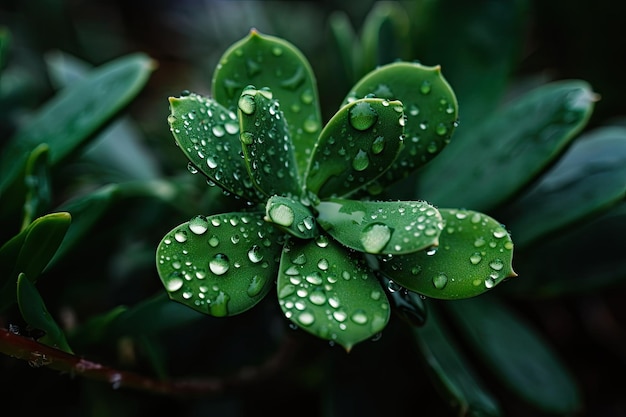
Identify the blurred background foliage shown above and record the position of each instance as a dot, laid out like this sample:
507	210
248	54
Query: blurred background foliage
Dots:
491	51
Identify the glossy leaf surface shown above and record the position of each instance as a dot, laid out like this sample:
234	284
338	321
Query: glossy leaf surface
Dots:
266	143
29	252
510	149
208	135
474	254
220	265
76	114
291	216
358	144
457	376
588	179
330	292
37	316
430	108
267	61
517	355
385	227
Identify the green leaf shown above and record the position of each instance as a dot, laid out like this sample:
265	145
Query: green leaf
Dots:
29	252
588	179
474	254
358	145
386	227
430	108
267	61
220	265
330	292
36	314
291	216
266	144
348	45
576	266
208	135
75	114
510	149
37	183
517	355
453	371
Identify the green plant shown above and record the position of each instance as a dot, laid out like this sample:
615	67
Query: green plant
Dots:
312	221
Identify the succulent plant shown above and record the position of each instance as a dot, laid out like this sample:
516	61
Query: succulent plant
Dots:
311	222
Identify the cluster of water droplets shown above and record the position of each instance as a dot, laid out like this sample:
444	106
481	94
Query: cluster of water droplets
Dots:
210	261
315	292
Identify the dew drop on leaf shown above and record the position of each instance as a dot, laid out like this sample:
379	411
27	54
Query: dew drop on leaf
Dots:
440	281
198	225
220	264
361	161
281	214
375	237
362	116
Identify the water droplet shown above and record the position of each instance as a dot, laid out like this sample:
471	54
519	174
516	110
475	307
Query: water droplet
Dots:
306	318
440	281
246	138
277	51
322	241
281	214
317	297
425	87
255	255
441	129
218	131
496	265
359	317
311	125
180	236
375	237
361	161
476	258
307	97
479	242
211	162
198	225
499	233
214	241
323	264
362	116
299	260
231	127
174	284
247	104
219	265
255	287
378	145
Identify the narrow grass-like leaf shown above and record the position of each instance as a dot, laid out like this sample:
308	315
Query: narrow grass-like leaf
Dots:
510	149
266	144
37	181
359	143
36	314
385	227
453	372
517	355
74	115
430	108
291	216
474	254
208	135
267	61
348	44
589	178
29	252
330	292
220	265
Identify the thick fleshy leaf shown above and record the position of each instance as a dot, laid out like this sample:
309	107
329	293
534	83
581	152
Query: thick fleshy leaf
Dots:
35	313
208	135
430	108
220	265
267	147
76	114
590	177
29	252
517	355
459	381
385	227
291	216
330	292
267	61
474	254
510	149
359	143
